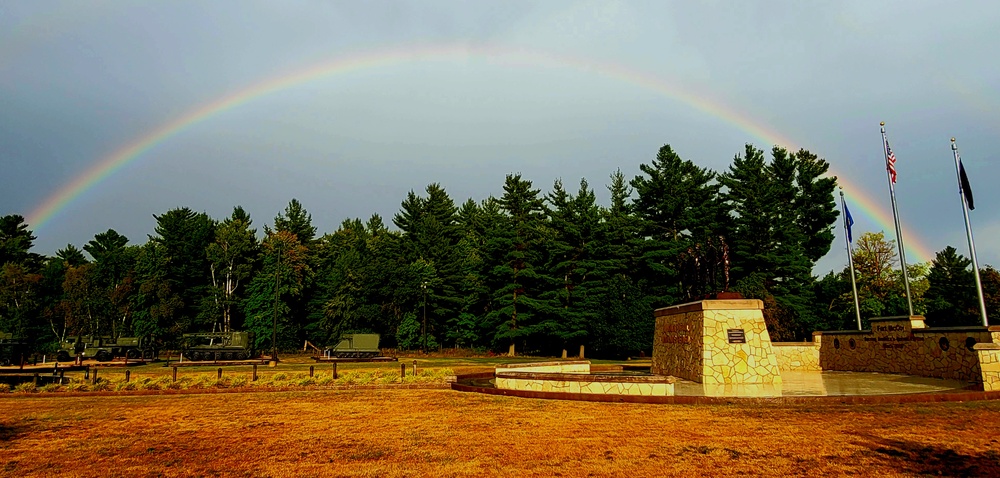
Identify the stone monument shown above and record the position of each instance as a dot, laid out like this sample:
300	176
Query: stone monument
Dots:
715	342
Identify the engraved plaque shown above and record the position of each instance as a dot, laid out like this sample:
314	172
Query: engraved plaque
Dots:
736	336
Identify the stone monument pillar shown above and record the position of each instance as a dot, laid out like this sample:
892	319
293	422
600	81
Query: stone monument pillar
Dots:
715	342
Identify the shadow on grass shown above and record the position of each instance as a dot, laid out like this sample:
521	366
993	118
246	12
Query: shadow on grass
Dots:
912	457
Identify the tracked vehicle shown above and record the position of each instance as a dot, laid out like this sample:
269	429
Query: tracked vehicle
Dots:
354	346
218	346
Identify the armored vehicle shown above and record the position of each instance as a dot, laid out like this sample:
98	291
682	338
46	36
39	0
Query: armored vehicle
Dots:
104	349
218	346
354	346
12	351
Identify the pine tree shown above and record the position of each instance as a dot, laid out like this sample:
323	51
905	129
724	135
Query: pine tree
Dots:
952	298
673	202
184	236
517	255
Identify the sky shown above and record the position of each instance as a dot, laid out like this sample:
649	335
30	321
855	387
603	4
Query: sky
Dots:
113	111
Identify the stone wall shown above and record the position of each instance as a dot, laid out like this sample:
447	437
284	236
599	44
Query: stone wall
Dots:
715	342
905	345
797	356
585	383
989	363
573	366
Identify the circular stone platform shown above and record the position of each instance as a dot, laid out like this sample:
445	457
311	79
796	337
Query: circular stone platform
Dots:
852	387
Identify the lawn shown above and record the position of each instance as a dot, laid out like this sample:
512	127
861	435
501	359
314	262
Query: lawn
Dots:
405	432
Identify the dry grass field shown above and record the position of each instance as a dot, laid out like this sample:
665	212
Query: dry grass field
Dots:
396	432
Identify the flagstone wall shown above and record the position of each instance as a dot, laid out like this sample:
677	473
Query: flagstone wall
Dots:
585	383
797	356
572	366
989	363
906	345
715	342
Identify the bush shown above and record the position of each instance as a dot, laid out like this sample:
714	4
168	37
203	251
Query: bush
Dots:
4	388
239	381
26	387
124	386
102	385
50	387
78	387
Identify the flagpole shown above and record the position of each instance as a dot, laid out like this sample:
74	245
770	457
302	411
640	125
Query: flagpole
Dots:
895	218
968	231
850	258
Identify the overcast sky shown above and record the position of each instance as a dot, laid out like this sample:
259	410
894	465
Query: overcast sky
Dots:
549	89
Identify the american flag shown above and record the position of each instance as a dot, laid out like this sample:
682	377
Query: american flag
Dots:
890	162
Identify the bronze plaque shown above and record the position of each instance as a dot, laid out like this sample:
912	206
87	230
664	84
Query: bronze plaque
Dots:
736	336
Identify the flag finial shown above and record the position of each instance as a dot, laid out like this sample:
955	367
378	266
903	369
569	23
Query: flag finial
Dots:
881	123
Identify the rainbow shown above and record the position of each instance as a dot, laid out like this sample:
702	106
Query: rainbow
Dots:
132	151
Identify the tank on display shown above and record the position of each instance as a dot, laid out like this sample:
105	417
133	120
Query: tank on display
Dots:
354	346
104	349
217	346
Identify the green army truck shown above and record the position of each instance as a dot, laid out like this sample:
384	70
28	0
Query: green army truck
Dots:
104	349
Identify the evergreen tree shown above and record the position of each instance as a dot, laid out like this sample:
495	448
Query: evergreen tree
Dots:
517	256
675	202
295	220
951	299
16	242
184	236
574	265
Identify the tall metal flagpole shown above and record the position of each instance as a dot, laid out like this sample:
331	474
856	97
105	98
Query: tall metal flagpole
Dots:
968	231
850	257
890	169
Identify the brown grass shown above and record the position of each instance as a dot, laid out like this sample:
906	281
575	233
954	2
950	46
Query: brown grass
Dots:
447	433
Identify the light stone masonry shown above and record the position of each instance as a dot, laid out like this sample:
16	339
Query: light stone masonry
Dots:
715	342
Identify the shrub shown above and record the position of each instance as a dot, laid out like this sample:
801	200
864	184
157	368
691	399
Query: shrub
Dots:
124	386
324	379
26	387
239	381
102	385
78	387
50	387
4	388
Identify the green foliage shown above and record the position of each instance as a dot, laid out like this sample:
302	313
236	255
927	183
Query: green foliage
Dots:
539	271
951	298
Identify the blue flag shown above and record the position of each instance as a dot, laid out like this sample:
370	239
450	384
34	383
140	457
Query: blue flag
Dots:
849	221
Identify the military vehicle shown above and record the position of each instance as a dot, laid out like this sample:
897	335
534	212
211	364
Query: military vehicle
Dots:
217	346
354	346
104	349
12	351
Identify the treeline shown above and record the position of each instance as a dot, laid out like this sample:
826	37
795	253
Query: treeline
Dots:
528	272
